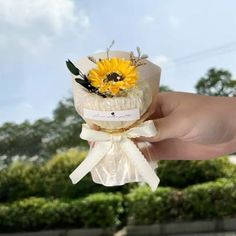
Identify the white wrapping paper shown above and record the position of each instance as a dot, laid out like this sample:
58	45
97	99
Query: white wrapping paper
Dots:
115	159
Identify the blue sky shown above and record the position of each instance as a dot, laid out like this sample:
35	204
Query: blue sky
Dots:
185	38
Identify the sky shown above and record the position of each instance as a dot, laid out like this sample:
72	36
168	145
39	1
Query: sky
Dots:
186	38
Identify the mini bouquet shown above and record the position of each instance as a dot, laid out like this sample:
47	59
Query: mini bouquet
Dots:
115	91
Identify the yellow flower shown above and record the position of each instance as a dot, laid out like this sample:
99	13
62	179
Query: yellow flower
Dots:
113	76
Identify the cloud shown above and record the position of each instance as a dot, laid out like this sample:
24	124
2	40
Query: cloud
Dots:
33	25
174	22
148	19
83	19
162	60
27	13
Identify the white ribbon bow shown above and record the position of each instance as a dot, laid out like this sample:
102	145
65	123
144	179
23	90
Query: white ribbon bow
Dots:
103	143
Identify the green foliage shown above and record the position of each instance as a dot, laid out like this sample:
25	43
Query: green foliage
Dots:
56	176
203	201
21	180
65	109
146	207
62	136
216	83
210	200
22	139
98	210
165	88
43	137
102	210
180	174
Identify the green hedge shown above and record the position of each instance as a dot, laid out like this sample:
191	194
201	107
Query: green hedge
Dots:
210	200
23	180
203	201
141	206
181	174
98	210
147	207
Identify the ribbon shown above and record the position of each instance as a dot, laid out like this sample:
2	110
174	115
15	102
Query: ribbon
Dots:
103	143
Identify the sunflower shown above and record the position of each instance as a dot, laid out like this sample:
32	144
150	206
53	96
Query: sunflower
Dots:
113	75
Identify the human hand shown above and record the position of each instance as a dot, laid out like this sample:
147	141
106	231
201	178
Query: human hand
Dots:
192	126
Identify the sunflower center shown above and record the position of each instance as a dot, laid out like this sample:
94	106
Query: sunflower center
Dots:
114	77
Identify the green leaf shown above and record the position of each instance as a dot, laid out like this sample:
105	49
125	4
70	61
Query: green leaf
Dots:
82	82
72	68
86	85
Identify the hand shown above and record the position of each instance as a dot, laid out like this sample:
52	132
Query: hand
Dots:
192	126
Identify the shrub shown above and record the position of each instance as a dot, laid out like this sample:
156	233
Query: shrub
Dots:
102	210
22	180
98	210
56	177
202	201
210	200
184	173
147	207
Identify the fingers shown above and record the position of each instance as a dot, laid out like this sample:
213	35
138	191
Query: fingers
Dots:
168	127
175	149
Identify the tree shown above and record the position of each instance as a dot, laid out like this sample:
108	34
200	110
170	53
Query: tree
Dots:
165	88
43	137
217	83
65	109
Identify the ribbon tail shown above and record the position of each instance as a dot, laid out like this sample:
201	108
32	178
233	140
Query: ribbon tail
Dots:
141	164
96	154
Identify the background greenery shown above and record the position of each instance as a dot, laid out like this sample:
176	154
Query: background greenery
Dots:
36	192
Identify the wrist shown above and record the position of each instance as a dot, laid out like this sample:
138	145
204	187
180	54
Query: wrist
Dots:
232	115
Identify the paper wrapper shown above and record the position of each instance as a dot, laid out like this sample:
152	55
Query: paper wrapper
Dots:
117	114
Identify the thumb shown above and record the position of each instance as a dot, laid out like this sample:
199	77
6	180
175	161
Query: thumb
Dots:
167	127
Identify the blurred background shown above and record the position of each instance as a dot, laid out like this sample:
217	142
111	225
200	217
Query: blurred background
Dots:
194	42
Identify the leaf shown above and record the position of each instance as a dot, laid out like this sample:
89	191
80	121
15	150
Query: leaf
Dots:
80	81
112	43
72	68
92	59
139	51
83	83
89	87
144	56
86	85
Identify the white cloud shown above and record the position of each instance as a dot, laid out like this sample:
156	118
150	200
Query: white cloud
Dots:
83	19
27	13
32	25
148	19
174	22
162	60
